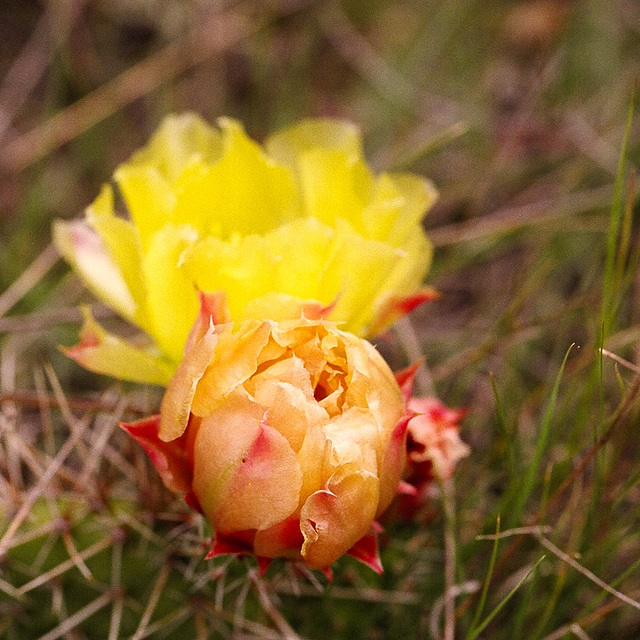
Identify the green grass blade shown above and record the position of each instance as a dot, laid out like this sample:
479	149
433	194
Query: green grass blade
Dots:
610	283
502	425
526	488
487	581
475	632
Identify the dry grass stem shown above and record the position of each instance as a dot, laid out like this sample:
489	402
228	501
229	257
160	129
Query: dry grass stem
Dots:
622	361
118	597
545	542
516	531
45	261
219	32
439	605
512	219
358	52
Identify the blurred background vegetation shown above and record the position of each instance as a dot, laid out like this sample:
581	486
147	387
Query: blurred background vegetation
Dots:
517	111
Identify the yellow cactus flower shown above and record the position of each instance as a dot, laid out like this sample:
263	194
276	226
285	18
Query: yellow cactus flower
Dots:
290	437
301	225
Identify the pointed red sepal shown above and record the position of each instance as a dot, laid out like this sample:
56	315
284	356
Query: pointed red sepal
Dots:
263	564
407	489
237	544
397	306
169	458
328	572
366	551
405	379
409	303
213	311
213	304
316	310
192	500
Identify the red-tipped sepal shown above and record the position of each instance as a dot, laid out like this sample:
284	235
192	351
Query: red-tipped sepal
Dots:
366	551
405	379
169	458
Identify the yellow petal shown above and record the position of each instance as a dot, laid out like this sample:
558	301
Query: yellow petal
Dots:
181	140
288	145
334	186
403	281
418	196
301	251
85	250
121	240
149	198
243	267
243	192
353	276
171	293
104	353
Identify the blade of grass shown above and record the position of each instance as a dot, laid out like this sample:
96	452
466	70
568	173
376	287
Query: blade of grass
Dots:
476	631
525	489
487	580
502	425
610	282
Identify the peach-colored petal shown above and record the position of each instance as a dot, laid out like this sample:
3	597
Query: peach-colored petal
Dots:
176	404
283	540
235	361
246	475
393	464
334	519
285	390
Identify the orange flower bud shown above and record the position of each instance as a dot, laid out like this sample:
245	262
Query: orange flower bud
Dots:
289	436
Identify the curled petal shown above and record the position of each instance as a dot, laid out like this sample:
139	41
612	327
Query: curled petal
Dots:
169	458
176	404
334	519
236	360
